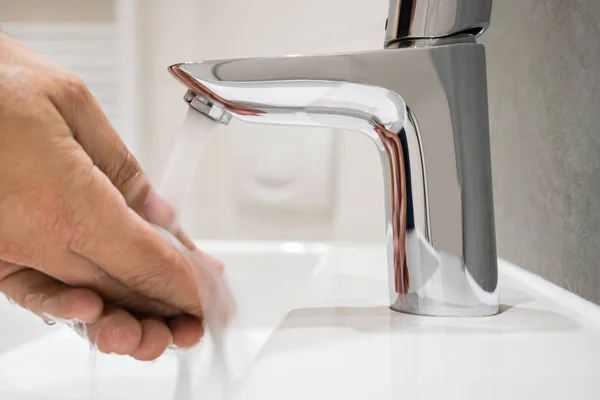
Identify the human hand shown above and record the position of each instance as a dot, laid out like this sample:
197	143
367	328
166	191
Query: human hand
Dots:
75	211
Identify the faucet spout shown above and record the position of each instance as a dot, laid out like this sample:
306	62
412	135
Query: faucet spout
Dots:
425	107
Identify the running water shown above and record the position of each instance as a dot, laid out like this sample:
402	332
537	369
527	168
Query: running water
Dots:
217	301
80	328
218	306
194	135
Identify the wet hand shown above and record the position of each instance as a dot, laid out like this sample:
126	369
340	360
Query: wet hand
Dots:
75	210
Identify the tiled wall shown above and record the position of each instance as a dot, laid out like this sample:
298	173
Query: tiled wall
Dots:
544	85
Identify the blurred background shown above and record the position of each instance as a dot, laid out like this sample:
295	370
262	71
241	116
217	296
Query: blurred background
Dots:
273	183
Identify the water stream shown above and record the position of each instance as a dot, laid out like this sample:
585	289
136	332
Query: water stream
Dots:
217	301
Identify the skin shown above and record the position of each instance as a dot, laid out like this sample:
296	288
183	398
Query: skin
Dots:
76	215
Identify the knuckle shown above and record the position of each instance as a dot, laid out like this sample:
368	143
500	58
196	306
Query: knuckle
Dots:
149	278
73	87
79	239
168	256
143	304
126	171
35	299
148	281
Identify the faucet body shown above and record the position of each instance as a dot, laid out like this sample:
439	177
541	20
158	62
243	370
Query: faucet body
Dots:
423	102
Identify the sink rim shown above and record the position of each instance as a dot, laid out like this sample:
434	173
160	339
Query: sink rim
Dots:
256	246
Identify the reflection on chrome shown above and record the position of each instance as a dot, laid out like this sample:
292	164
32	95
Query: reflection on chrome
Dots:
423	102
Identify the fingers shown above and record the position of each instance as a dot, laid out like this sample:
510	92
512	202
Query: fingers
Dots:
76	271
158	212
93	131
139	256
115	332
187	331
81	272
102	143
127	248
111	328
156	338
209	259
118	332
49	298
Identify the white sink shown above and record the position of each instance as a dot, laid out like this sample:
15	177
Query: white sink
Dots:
44	363
338	340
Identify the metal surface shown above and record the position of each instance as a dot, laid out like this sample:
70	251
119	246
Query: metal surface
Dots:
425	108
415	19
208	108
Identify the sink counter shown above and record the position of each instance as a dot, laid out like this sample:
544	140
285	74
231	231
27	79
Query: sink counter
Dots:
317	326
341	341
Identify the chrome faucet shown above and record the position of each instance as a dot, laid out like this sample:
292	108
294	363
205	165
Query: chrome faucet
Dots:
423	101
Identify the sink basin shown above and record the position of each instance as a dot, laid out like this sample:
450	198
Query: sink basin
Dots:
315	323
45	363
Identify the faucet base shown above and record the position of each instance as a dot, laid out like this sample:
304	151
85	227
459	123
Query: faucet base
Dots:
442	286
428	307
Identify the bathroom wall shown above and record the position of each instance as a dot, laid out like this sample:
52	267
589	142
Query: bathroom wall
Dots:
544	84
56	10
195	30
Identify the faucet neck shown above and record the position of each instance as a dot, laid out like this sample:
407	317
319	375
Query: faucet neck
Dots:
430	19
